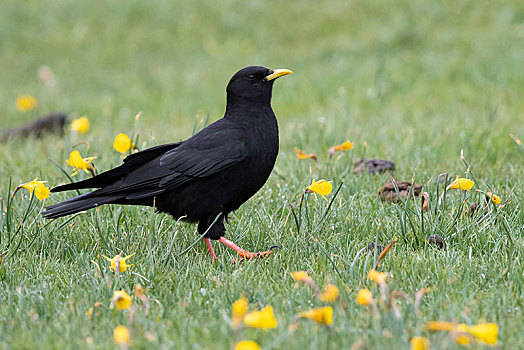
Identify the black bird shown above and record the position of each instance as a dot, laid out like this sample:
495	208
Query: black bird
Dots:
205	177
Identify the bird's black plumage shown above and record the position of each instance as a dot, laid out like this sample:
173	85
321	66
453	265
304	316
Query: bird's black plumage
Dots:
213	172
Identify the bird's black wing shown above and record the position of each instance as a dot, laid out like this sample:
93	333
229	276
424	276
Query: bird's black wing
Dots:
163	168
213	150
131	163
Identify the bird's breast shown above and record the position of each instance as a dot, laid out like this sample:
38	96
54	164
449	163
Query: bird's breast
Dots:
264	142
254	171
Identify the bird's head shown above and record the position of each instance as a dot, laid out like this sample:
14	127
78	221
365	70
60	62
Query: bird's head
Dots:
253	84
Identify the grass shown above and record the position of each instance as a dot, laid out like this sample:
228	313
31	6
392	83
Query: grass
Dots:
416	81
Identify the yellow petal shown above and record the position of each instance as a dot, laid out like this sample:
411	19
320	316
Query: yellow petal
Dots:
122	143
321	187
76	161
239	310
461	339
127	257
42	192
122	264
494	197
264	318
240	307
364	297
31	185
121	335
26	103
516	139
439	326
121	299
377	277
112	262
419	343
330	293
323	315
485	332
387	248
302	155
459	334
139	291
462	184
247	345
344	146
80	125
301	276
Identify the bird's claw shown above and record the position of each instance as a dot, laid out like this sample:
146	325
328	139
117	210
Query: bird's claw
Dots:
249	255
245	255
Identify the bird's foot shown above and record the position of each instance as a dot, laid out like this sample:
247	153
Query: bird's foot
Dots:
244	254
209	246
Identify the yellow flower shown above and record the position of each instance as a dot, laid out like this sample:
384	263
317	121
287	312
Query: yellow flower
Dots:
364	297
460	334
121	335
80	125
78	163
516	139
439	326
26	103
342	147
40	191
139	291
386	250
346	146
377	277
330	293
322	315
247	345
122	143
301	276
118	260
419	343
121	299
462	184
485	332
302	155
321	187
264	318
31	185
494	197
239	310
89	312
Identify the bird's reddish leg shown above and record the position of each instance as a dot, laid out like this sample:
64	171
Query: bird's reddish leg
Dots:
244	254
210	248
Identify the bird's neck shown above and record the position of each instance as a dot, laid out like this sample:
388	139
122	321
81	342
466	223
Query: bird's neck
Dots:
246	109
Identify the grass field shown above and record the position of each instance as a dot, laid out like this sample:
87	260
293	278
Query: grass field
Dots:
412	82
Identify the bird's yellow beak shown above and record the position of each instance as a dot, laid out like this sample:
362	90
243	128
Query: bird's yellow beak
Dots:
278	73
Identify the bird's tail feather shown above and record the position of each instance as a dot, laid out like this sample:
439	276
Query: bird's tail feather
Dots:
98	181
131	163
79	203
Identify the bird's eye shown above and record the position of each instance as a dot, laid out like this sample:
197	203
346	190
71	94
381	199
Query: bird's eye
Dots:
252	76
